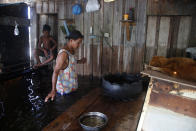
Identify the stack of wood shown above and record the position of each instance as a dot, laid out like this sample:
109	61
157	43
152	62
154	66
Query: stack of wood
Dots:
179	67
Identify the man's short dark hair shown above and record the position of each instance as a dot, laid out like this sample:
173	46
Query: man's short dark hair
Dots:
46	28
75	34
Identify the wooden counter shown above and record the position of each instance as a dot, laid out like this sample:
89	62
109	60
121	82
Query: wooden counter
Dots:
123	116
170	104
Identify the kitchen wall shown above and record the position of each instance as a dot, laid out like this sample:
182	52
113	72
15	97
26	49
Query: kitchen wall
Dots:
170	28
162	27
104	55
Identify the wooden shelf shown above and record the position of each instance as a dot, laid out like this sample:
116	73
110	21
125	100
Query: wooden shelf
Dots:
131	22
127	24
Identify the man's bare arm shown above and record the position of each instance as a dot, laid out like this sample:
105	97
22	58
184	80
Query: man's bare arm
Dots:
55	43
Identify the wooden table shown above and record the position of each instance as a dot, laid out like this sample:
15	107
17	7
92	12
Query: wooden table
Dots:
123	116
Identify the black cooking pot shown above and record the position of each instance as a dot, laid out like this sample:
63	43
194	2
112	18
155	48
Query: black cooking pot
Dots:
122	86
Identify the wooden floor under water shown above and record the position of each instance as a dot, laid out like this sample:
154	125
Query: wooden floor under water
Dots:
64	111
123	116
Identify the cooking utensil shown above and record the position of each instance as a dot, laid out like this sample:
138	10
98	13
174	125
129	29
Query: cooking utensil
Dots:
93	121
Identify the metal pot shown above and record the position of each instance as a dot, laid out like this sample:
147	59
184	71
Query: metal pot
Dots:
91	114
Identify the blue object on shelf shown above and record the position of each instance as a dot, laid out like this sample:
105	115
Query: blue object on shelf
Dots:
76	9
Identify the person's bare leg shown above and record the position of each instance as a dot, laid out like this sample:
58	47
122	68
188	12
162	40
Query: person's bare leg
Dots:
36	51
37	56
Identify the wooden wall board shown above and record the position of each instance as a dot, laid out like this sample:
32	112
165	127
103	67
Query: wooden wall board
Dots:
141	23
121	46
55	6
61	10
108	21
127	44
138	59
163	36
68	8
171	7
97	29
117	31
120	55
140	35
150	38
87	43
79	22
157	35
38	6
41	19
106	60
117	25
45	7
174	28
107	28
183	35
127	58
115	59
52	21
95	60
51	7
61	36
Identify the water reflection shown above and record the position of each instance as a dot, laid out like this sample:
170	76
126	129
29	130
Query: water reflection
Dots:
33	83
24	104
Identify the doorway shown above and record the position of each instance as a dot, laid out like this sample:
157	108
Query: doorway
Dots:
51	20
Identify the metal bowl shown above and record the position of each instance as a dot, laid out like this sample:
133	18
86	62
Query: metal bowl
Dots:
93	121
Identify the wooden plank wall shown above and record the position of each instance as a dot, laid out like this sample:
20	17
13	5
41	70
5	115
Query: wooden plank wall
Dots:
124	56
121	55
169	24
171	7
167	36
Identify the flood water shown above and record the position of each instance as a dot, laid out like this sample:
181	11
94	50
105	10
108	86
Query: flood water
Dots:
22	106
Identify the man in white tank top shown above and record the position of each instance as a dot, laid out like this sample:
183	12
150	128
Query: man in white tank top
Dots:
64	78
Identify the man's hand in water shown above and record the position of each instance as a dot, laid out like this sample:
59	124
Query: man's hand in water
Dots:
81	61
50	95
